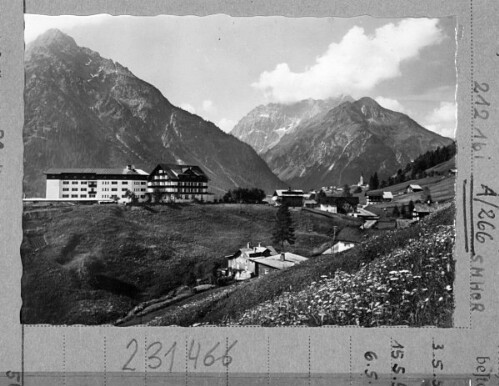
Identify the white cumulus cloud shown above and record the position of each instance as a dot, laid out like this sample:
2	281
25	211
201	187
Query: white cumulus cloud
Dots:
354	65
226	124
391	104
443	119
188	107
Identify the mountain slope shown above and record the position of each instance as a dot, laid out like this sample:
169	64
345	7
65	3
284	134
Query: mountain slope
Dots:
82	110
354	138
265	125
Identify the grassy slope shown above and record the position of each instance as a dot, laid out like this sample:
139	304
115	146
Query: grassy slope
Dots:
100	261
272	288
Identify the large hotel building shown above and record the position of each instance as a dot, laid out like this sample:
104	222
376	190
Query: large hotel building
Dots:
167	182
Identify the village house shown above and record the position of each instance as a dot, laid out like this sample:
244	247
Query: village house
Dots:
413	188
422	210
291	198
179	183
347	238
95	184
376	197
334	204
365	215
240	263
310	204
254	261
283	260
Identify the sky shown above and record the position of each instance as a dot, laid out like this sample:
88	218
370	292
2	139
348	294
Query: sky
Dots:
221	67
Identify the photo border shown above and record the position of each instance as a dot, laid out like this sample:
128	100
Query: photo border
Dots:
476	61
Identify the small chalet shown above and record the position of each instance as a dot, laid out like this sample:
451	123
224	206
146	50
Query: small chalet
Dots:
291	198
310	204
265	265
241	264
422	210
333	204
413	188
387	196
376	197
348	238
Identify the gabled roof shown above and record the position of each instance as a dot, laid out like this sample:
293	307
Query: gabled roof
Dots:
288	192
350	235
369	224
375	193
414	187
424	208
174	171
361	212
253	251
387	195
274	261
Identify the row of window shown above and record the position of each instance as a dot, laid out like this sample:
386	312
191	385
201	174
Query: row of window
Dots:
76	196
93	196
103	189
104	182
181	183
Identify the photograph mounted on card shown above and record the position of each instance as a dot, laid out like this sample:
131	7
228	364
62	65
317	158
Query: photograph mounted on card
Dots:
239	171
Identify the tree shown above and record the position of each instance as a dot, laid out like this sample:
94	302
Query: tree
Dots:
396	211
374	181
346	191
132	196
283	227
358	189
321	196
427	195
157	196
411	207
403	211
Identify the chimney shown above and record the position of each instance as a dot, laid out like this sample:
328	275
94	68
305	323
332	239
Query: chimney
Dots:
259	245
248	245
130	167
283	256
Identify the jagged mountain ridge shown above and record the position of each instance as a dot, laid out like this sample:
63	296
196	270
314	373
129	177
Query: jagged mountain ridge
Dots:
353	139
82	110
264	126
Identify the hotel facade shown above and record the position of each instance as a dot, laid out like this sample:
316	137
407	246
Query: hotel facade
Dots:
166	183
94	184
179	183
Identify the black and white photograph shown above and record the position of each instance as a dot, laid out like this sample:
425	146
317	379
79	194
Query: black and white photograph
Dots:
239	171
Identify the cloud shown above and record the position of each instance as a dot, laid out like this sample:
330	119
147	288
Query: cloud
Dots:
188	107
37	24
391	104
226	124
354	65
209	107
443	119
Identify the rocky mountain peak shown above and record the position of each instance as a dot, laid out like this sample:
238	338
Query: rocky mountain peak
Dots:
83	110
54	39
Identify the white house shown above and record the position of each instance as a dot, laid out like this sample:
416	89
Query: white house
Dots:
412	188
347	238
93	184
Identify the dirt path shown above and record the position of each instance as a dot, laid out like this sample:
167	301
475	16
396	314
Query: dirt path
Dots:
207	296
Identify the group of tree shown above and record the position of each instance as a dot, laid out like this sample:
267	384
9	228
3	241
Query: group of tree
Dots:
416	169
283	227
405	211
244	195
